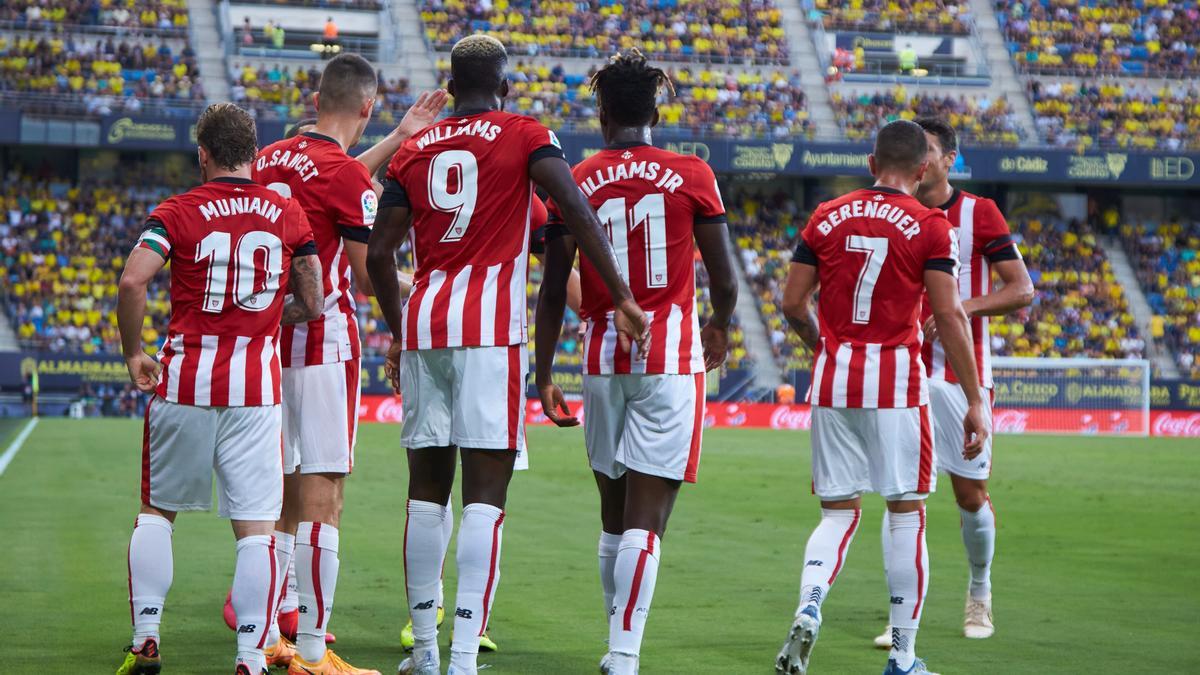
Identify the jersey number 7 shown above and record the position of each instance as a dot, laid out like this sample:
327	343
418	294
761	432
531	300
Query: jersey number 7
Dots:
876	249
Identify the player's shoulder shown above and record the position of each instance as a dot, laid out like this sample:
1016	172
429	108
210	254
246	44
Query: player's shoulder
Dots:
277	146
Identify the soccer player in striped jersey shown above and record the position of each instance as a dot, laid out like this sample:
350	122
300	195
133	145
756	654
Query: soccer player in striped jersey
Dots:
645	412
234	248
872	252
463	189
984	245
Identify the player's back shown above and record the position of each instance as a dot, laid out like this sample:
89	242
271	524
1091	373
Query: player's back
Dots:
336	193
871	248
649	201
230	244
466	181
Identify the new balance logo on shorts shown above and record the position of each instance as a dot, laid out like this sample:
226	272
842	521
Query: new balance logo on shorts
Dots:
464	613
247	628
149	611
428	604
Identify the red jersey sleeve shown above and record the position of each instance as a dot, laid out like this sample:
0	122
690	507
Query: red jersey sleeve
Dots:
394	194
353	204
806	248
993	239
705	193
298	232
941	243
538	141
157	233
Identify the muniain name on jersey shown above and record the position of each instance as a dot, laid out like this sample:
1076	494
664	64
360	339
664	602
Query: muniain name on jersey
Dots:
669	180
236	206
864	208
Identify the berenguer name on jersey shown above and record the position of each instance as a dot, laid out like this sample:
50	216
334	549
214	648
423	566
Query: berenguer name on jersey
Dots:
863	208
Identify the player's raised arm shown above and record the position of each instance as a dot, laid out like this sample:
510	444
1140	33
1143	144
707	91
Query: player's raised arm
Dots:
140	267
712	238
552	298
420	114
954	329
554	176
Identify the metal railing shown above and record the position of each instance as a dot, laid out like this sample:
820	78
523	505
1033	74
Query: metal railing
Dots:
669	57
62	29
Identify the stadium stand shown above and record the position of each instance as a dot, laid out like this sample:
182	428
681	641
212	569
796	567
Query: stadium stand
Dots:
718	102
700	31
1167	258
285	92
143	15
1116	113
94	74
979	118
1102	36
892	16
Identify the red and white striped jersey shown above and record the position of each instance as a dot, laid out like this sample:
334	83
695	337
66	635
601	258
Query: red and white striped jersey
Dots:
466	181
983	238
649	201
335	191
871	249
230	244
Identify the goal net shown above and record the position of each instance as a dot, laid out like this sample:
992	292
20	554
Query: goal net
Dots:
1077	396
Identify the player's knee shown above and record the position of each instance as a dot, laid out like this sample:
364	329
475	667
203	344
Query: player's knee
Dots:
161	513
971	495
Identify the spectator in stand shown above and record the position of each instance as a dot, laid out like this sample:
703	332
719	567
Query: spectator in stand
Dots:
330	39
277	37
145	15
979	119
247	33
1167	260
1113	114
908	59
894	16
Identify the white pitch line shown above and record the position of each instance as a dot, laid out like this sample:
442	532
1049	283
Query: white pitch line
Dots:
15	446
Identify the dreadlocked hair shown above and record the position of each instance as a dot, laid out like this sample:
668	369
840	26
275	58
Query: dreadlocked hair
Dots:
627	88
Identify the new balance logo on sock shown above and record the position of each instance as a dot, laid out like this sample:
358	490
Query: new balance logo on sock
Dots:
613	610
897	600
247	628
815	563
462	613
149	611
302	609
428	604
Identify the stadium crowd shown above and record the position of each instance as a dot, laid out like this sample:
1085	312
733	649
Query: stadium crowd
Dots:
893	16
141	15
104	74
979	119
1113	114
1158	38
285	93
715	31
1167	259
716	102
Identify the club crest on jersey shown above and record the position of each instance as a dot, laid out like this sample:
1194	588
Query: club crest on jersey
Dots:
370	206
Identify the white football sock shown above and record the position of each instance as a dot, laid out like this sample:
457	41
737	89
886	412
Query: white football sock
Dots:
151	567
447	537
423	552
885	536
979	538
479	543
285	545
316	580
908	580
635	572
255	587
290	601
825	553
606	551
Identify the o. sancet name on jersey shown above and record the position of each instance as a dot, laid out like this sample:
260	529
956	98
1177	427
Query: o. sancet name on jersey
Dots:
236	206
871	208
297	161
482	128
613	173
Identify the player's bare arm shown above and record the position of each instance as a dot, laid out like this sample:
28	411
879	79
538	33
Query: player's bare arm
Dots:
389	232
140	268
552	299
1017	292
308	293
421	114
554	176
798	306
955	330
713	241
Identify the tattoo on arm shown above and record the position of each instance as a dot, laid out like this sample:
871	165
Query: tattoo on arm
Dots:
806	327
305	282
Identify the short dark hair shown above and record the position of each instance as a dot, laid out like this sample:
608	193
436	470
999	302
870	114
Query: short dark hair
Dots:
900	145
228	134
477	64
941	130
346	84
627	88
294	130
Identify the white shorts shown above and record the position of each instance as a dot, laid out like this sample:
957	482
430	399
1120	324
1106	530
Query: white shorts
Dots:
320	417
652	424
471	397
183	444
884	450
948	404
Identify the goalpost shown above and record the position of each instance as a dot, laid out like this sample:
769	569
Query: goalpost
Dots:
1071	396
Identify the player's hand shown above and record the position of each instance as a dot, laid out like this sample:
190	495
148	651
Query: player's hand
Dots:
422	113
976	430
716	346
632	326
930	329
143	371
391	364
555	406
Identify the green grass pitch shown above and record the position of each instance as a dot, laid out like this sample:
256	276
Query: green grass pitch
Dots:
1098	564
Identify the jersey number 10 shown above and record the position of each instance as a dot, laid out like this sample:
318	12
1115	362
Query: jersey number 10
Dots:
649	213
258	256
